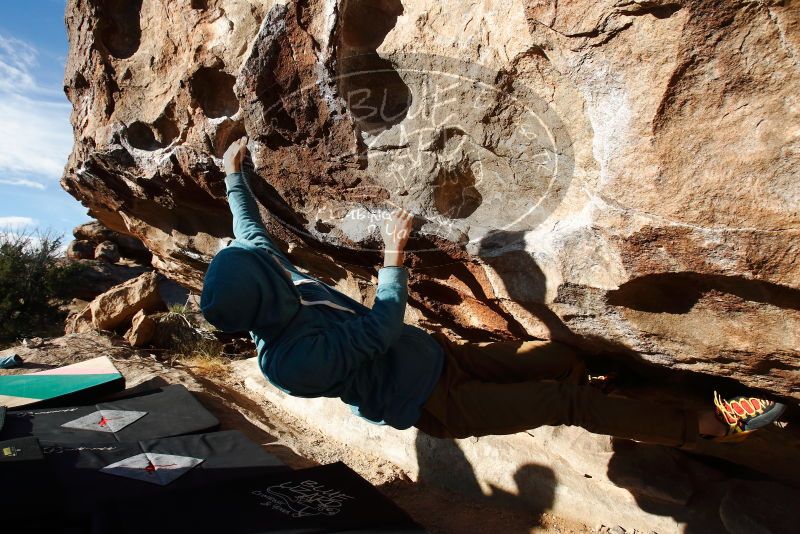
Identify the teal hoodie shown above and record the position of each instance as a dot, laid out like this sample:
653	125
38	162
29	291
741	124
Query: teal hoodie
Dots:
312	340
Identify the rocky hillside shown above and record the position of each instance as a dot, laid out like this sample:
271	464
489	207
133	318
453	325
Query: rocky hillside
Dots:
621	174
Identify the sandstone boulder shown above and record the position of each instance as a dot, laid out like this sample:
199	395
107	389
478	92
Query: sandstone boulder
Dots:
184	333
620	175
119	304
129	246
79	249
107	251
97	277
141	331
79	322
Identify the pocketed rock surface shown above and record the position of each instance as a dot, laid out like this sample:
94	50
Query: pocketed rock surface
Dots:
617	174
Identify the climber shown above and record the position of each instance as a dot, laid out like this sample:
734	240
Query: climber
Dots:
313	341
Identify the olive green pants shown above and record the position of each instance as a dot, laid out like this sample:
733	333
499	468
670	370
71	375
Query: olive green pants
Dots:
509	387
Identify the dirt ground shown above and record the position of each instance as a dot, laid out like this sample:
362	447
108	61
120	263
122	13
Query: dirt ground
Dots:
288	438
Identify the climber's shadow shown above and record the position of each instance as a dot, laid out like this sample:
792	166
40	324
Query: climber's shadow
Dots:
705	494
524	281
665	482
443	465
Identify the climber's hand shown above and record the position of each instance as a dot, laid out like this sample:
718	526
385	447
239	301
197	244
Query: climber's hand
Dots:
235	155
395	232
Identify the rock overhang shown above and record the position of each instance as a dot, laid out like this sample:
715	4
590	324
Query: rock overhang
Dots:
671	187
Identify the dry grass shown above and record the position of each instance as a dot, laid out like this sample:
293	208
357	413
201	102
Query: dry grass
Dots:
205	359
180	309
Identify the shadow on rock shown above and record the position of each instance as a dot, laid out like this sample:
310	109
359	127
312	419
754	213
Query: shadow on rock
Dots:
523	279
678	292
443	465
712	490
704	494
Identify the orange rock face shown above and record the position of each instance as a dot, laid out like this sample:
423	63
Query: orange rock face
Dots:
621	176
119	304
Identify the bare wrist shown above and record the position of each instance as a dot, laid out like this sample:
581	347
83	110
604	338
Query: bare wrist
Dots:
393	258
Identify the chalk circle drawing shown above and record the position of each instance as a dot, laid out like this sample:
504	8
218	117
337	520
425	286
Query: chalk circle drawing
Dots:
469	150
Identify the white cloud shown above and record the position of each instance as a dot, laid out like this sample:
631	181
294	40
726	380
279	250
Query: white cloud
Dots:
36	136
28	241
15	221
22	182
33	240
35	129
17	58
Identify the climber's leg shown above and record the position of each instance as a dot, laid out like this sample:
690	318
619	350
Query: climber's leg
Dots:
517	361
475	408
462	406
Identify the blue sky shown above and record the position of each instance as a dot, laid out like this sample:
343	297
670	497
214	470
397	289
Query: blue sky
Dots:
35	133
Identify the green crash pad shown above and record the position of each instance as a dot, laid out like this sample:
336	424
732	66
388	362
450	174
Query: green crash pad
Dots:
95	376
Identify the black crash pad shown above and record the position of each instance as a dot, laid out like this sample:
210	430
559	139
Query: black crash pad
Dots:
330	498
160	412
75	479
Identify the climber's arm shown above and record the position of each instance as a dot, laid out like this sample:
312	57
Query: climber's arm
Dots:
316	363
247	223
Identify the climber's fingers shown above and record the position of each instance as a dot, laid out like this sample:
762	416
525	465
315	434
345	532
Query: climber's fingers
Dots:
401	213
400	222
401	216
241	148
234	155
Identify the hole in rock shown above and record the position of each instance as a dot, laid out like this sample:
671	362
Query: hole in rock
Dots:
141	136
374	92
367	22
200	4
323	227
454	192
166	129
227	133
119	28
282	127
438	292
80	81
665	11
213	91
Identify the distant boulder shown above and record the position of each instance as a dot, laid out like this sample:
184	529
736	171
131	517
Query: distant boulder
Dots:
107	251
141	331
118	305
129	246
96	277
80	249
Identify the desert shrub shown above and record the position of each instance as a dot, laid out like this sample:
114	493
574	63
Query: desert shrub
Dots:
32	277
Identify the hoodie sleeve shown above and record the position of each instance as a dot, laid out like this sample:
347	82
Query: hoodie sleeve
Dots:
318	362
247	224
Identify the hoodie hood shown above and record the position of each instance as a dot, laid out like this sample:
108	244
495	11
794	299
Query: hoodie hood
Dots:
245	289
